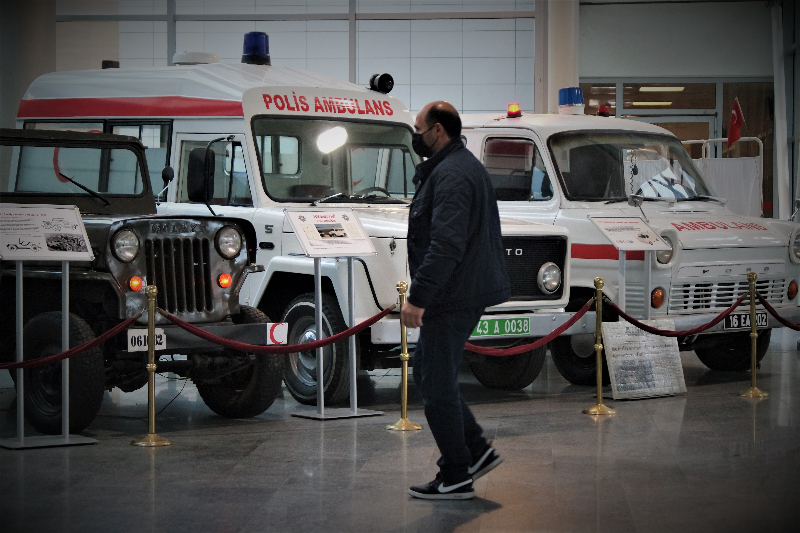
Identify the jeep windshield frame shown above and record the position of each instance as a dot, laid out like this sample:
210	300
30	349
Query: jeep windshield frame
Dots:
610	165
129	165
367	157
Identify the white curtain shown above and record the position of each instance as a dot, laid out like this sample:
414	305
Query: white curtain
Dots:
736	179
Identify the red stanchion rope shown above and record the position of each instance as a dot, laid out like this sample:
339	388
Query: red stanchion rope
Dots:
72	351
683	333
289	348
773	312
516	350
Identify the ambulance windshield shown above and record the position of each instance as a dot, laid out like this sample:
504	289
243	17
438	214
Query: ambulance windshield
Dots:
306	160
603	165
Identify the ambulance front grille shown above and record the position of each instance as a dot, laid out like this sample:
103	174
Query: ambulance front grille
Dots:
524	257
179	268
686	298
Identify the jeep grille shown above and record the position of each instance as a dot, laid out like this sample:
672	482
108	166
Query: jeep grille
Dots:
524	256
179	267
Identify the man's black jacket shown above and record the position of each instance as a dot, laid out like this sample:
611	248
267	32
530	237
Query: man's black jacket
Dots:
455	250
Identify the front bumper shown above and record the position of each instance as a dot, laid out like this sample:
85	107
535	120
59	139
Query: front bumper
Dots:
684	322
181	341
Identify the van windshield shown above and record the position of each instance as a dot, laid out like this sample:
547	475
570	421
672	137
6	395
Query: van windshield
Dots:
309	160
602	165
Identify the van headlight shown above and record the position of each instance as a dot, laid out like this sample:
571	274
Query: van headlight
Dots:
665	256
125	245
796	246
228	242
549	278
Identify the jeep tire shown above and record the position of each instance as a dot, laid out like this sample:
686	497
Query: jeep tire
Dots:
733	352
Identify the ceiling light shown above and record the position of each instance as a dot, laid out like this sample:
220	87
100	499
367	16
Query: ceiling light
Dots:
661	89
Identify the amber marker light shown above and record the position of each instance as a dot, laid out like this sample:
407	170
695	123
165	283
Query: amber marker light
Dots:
514	111
792	292
135	283
225	280
657	298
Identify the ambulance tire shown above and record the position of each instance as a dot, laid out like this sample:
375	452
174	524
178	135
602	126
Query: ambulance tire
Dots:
42	338
509	372
733	352
574	355
300	368
250	391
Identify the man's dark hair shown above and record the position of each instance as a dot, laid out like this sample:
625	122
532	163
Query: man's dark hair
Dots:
449	120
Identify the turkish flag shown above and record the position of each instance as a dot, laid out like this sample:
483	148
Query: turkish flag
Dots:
737	120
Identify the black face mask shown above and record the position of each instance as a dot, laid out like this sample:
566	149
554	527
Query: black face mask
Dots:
419	146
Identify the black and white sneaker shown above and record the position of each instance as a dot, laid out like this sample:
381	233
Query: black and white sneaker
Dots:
488	460
439	490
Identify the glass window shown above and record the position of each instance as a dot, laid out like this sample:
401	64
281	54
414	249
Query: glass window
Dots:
516	169
231	186
279	154
155	138
90	127
595	166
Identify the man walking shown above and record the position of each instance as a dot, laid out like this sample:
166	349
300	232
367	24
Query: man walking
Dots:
457	269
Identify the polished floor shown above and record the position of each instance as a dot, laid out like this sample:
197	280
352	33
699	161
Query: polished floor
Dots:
704	461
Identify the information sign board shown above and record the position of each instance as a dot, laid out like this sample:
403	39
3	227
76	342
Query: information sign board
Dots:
640	364
37	232
630	233
334	233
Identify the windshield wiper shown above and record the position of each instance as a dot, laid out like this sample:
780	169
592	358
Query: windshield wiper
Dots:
321	200
87	189
703	198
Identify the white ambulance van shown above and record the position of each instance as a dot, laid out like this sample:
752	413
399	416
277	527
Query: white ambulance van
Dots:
267	127
563	169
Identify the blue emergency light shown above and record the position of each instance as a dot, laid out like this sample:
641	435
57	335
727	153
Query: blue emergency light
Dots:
570	101
256	48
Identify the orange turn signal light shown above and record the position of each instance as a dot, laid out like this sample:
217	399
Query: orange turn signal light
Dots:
514	111
225	280
657	298
792	292
135	283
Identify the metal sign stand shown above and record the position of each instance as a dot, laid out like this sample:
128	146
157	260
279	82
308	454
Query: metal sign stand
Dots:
65	439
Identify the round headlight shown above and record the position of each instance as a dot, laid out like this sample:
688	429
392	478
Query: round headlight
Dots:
664	256
125	245
549	278
229	242
796	246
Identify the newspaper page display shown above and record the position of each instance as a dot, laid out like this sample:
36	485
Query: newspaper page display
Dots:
640	364
629	233
38	232
335	233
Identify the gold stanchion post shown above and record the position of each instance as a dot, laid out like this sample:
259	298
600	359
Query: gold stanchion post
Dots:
753	391
599	409
404	424
151	439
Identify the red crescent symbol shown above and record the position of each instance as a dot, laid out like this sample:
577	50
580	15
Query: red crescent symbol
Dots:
271	336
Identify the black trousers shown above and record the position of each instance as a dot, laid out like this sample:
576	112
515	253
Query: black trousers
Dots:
436	360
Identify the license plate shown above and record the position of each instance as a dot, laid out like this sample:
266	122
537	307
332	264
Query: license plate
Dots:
742	320
137	340
502	327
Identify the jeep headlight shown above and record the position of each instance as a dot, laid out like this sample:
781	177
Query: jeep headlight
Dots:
549	278
228	242
665	256
125	245
796	246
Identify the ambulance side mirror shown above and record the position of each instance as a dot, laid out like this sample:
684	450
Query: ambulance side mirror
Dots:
200	175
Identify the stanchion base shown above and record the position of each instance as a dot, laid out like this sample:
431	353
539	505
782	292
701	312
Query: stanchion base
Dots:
45	442
753	392
599	409
404	424
332	414
151	440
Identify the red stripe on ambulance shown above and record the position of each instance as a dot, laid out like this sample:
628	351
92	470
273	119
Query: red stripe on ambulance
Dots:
603	251
136	106
700	226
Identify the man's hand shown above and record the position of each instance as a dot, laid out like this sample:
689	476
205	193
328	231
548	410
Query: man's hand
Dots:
411	315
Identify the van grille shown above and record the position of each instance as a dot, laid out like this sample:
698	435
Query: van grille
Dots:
524	256
717	296
179	267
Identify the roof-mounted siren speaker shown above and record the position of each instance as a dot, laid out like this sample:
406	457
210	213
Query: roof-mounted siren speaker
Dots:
570	101
256	48
194	58
383	83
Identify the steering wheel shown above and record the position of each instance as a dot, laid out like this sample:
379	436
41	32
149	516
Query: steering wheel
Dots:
374	189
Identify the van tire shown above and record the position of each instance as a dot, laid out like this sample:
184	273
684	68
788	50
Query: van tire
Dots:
252	390
508	372
300	369
574	355
42	338
733	352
